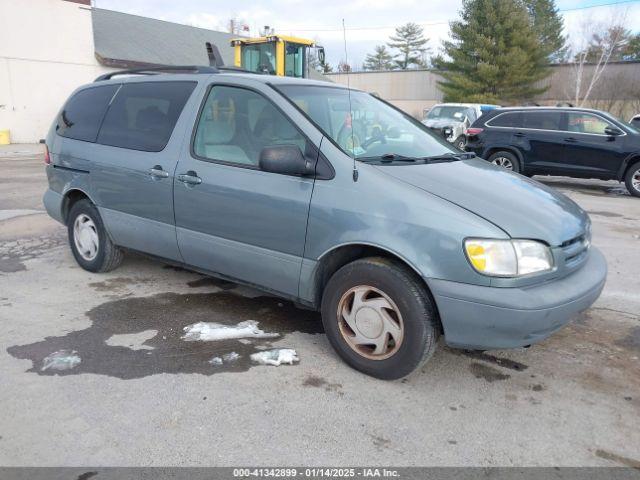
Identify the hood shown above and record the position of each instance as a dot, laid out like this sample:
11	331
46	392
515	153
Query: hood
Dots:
522	207
440	122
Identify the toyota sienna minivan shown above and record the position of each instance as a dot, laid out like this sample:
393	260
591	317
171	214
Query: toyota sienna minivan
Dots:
327	196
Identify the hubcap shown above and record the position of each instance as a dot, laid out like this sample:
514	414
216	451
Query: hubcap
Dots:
85	237
503	162
370	322
635	180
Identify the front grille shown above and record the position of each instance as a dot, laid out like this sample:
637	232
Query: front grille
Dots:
575	250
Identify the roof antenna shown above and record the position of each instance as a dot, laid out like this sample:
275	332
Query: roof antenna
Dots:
353	142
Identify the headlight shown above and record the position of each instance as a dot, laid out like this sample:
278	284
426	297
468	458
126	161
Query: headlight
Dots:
508	258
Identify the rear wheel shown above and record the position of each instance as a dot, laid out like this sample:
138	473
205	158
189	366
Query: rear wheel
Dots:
505	160
379	318
91	246
632	179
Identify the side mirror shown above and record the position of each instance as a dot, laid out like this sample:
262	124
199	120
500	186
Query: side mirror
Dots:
286	160
613	131
321	57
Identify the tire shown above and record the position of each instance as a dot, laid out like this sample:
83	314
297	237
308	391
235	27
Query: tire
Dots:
84	226
460	142
632	179
412	310
506	160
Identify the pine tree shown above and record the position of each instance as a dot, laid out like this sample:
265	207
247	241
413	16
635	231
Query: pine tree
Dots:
409	40
549	26
494	55
381	59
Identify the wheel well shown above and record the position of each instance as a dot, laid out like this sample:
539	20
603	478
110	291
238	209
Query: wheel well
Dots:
333	261
70	199
632	161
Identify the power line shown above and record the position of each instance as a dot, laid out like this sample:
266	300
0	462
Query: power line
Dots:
429	24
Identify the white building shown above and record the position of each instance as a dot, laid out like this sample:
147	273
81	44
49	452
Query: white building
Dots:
50	47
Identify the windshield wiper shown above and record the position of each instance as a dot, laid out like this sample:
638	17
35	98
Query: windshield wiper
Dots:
448	157
388	158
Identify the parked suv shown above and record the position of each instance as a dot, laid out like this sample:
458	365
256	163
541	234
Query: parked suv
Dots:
395	236
452	119
574	142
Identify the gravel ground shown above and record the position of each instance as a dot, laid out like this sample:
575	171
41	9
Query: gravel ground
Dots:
142	396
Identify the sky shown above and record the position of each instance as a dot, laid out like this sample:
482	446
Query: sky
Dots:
368	22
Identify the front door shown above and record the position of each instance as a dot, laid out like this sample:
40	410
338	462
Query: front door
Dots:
231	217
589	151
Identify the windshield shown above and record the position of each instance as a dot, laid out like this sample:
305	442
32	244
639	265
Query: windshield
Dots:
259	58
449	112
369	129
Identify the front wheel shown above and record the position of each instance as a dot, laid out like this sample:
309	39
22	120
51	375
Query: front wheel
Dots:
632	180
91	246
379	318
506	160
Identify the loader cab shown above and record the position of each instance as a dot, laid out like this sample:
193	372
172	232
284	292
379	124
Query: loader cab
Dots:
275	55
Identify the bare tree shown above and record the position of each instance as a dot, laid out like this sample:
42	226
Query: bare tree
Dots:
592	52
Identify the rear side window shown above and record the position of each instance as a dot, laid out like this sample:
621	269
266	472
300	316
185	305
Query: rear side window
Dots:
510	119
82	114
542	120
142	115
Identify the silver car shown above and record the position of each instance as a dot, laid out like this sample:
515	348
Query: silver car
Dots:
451	120
326	196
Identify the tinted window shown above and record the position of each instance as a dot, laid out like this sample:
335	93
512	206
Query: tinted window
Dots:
542	120
587	123
142	115
82	114
236	124
511	119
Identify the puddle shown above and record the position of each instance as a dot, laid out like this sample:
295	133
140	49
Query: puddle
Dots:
136	337
14	253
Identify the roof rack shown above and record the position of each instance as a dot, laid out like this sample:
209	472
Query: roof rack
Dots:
158	70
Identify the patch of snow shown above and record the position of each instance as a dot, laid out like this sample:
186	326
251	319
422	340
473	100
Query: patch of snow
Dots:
216	361
134	341
61	360
210	331
230	357
276	357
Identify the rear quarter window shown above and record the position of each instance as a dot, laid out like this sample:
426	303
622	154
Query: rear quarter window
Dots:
508	119
143	115
82	114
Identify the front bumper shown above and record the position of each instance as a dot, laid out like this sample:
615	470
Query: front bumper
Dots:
478	317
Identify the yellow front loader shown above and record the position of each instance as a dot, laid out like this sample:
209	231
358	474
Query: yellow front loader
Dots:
275	55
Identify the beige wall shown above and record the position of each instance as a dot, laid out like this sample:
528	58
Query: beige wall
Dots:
617	91
46	51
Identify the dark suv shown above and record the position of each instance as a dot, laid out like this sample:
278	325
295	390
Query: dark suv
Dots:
573	142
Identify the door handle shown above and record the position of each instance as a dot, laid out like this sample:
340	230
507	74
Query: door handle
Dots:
190	178
158	172
571	140
519	135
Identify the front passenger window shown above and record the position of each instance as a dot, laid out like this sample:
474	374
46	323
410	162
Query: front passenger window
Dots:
587	123
236	124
